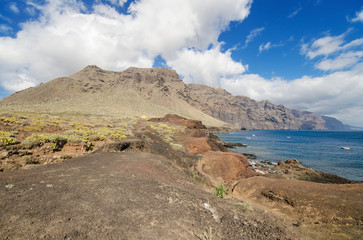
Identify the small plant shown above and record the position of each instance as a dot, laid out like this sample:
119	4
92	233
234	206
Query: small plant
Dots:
7	138
8	120
32	128
176	146
220	191
65	157
194	177
88	146
29	160
245	205
56	141
168	139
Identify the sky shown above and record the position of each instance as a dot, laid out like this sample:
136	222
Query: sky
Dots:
306	54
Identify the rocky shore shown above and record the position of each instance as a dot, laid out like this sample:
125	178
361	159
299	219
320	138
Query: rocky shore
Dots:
131	179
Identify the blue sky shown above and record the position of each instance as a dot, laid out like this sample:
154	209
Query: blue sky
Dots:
306	55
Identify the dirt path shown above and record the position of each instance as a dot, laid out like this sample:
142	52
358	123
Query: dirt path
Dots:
123	196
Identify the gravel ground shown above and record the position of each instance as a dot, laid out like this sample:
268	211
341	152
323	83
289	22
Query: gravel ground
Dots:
124	196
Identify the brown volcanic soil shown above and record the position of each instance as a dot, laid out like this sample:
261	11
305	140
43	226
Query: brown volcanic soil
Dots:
123	196
324	211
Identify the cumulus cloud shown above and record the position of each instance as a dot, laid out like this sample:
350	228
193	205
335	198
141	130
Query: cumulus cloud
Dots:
115	2
338	94
67	37
209	66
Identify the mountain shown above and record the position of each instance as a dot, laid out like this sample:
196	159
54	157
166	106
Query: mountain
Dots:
244	113
156	92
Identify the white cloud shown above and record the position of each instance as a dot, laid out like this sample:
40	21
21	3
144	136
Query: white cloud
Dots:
344	60
64	39
5	29
294	13
253	34
335	52
358	16
268	45
13	7
338	94
115	2
205	67
323	46
264	47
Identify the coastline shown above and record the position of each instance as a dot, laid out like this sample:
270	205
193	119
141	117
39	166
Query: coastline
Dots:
173	160
320	150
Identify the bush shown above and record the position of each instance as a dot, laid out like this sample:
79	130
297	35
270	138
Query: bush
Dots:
56	141
32	128
176	146
30	160
220	191
7	138
5	141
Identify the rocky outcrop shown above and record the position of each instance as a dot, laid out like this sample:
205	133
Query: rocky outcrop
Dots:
181	121
292	169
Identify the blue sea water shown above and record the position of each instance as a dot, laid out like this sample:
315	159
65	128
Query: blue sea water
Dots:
320	150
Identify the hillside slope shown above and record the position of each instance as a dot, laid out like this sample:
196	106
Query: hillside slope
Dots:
156	92
133	92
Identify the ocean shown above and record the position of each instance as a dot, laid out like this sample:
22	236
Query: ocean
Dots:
321	150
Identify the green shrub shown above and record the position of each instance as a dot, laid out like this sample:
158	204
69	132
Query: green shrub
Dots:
220	191
56	141
168	139
6	134
176	146
32	128
5	141
89	146
118	136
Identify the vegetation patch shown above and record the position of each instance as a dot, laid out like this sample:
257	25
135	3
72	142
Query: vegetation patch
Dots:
7	138
220	191
56	141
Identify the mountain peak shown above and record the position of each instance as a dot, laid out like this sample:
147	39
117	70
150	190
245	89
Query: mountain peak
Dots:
91	68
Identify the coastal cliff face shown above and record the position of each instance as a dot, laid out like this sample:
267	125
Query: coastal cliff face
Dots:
245	113
156	92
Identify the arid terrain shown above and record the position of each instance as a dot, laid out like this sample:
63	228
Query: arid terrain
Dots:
157	92
96	177
89	157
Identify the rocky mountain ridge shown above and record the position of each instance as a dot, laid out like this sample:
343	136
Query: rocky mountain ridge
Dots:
155	92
